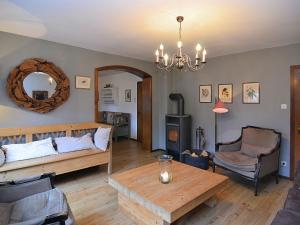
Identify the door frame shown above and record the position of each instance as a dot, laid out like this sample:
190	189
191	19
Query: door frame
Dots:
140	73
293	68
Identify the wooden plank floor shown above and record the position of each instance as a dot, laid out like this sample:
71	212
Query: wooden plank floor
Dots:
94	202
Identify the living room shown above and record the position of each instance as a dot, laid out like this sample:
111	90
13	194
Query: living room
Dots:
210	73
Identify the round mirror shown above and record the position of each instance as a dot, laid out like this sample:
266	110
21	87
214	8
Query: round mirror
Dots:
39	85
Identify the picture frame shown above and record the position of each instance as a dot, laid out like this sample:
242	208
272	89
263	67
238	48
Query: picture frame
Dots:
225	93
128	95
251	93
205	93
82	82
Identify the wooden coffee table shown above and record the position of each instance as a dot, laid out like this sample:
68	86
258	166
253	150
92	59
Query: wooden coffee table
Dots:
150	202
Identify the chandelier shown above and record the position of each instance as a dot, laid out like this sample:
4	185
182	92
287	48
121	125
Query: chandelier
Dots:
180	60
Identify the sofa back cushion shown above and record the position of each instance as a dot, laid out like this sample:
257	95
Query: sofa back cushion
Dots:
71	144
35	149
101	138
2	158
257	141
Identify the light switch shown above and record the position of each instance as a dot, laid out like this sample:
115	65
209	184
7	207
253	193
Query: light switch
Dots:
283	106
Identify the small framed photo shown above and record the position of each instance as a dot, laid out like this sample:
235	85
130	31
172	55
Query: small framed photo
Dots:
82	82
251	93
225	92
205	93
128	95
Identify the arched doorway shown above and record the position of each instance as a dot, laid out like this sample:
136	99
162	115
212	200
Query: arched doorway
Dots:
146	109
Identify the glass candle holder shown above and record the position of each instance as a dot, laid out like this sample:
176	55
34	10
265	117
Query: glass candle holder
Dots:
165	163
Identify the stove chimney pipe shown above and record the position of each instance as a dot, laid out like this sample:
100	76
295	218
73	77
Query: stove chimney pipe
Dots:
180	102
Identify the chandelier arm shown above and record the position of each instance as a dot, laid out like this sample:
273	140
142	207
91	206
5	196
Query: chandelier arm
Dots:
191	66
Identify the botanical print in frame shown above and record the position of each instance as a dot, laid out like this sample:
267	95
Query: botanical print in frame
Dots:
251	93
83	82
128	95
205	93
225	92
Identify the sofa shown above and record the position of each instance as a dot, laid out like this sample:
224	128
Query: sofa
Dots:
60	163
290	214
34	201
254	155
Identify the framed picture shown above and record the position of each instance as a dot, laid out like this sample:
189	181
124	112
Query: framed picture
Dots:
205	93
251	93
225	92
40	95
128	95
83	82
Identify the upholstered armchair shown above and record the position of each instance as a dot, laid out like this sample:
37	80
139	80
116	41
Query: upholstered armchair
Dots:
253	155
34	201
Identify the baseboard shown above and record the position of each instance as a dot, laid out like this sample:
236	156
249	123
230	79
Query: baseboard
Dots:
285	177
133	139
158	149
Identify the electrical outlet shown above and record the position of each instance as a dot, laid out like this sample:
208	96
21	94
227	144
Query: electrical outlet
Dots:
283	106
283	163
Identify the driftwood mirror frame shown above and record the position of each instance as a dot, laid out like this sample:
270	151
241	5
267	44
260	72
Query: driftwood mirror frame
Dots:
17	93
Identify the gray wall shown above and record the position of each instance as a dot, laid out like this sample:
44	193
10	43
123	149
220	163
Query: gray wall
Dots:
270	67
73	61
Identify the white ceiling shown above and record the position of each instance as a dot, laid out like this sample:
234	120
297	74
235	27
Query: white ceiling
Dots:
135	28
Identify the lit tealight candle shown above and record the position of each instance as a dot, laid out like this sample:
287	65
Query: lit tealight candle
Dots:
165	178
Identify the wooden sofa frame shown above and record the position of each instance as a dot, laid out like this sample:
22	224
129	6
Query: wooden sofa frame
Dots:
58	164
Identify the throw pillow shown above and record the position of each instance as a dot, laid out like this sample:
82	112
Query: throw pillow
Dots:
101	138
2	157
71	144
35	149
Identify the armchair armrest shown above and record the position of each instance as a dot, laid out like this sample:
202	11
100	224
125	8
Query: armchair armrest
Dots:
57	217
14	190
230	146
268	163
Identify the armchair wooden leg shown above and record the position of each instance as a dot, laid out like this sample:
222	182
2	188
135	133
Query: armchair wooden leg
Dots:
214	167
256	181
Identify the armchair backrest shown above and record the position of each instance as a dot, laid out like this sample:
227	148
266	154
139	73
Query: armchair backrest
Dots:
257	141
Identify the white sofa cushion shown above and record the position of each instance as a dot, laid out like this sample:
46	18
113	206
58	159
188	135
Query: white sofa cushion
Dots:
71	144
101	138
2	158
35	149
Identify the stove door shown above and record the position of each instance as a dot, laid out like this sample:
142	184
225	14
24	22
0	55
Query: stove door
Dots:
173	140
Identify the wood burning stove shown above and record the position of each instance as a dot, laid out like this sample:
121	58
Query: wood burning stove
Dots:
178	129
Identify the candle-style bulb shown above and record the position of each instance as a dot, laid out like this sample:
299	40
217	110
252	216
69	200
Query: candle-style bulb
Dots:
157	52
161	47
179	44
203	55
166	58
198	47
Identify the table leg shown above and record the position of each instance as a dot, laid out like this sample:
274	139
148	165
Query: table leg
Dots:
138	213
211	202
